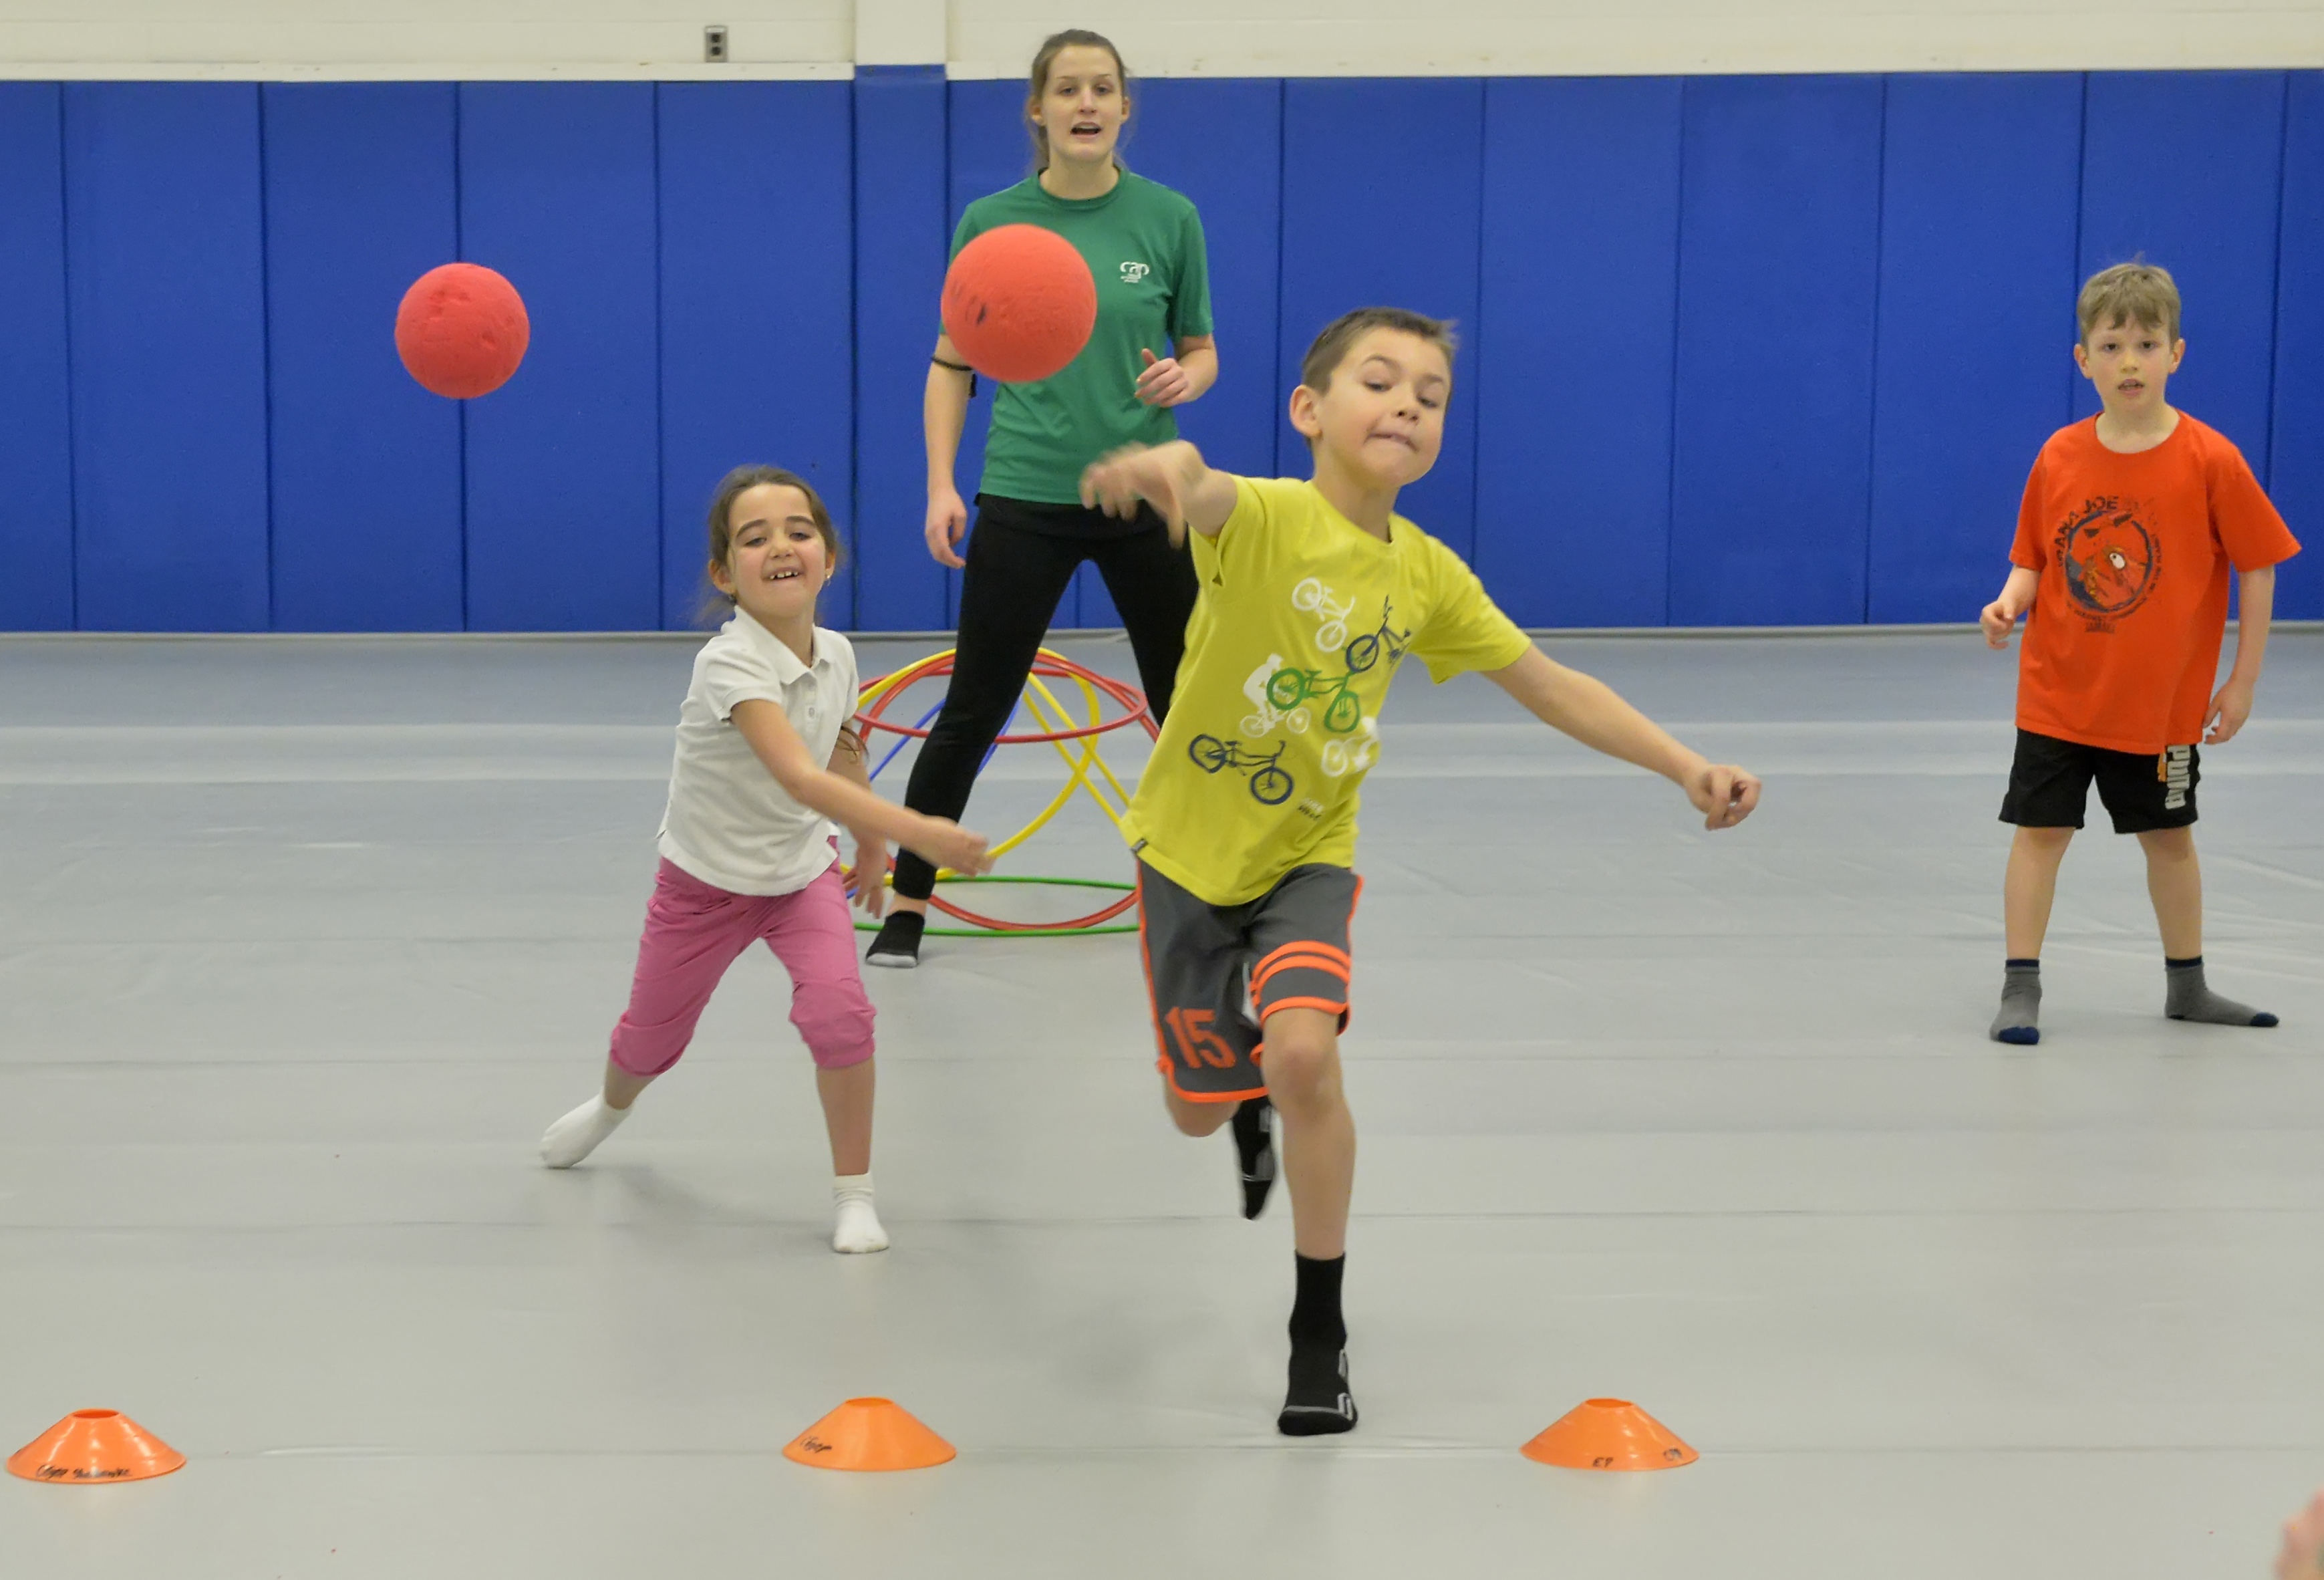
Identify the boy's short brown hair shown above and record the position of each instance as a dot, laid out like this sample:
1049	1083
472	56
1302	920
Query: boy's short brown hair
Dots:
2136	292
1331	347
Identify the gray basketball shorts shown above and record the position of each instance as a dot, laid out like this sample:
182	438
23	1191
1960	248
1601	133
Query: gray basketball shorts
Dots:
1216	972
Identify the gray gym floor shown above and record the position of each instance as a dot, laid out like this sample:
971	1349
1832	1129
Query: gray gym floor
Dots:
302	944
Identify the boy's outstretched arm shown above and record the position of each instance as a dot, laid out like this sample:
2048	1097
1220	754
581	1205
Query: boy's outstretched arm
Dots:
2232	704
2000	616
1171	477
1592	712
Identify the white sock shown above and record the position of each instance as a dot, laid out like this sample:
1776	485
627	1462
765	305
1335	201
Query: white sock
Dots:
855	1221
576	1135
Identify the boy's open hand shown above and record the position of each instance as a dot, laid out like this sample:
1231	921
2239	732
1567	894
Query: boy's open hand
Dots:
1725	795
2228	713
2000	617
948	845
867	882
1116	482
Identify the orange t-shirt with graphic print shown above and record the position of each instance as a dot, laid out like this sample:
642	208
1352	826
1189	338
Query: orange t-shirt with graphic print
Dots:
2136	553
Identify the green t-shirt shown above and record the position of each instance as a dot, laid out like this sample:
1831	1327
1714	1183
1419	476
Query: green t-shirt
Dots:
1144	245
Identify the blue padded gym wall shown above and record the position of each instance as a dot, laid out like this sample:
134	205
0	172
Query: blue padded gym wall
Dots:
360	200
1735	350
903	231
1778	273
757	290
167	306
2296	456
2186	168
36	531
1572	371
564	497
1344	143
1977	275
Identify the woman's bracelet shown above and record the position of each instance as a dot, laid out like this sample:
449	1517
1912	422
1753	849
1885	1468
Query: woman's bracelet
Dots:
959	367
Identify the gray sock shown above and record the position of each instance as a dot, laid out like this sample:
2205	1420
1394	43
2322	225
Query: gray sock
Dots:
2021	1003
2187	997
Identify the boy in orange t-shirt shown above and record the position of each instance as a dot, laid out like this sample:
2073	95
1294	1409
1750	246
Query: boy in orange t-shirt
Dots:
2131	524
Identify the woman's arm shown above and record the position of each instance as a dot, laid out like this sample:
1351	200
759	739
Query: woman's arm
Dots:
817	789
1185	376
943	412
1592	712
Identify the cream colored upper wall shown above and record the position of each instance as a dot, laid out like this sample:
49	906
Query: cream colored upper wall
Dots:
994	38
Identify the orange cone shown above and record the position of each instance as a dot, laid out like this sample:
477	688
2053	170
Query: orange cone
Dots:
94	1445
868	1434
1609	1434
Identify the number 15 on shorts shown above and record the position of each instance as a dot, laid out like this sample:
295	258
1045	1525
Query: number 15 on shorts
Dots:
1198	1045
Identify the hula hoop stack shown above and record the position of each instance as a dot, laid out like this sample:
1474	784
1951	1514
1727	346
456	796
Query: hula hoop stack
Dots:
1077	744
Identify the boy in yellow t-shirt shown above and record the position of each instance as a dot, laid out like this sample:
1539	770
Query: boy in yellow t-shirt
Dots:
1245	820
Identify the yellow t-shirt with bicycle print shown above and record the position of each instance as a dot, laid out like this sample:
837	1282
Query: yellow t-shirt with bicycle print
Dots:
1303	620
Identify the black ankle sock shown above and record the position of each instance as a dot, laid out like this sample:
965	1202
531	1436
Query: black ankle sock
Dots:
2171	965
1317	1401
2033	965
1315	1319
1254	1140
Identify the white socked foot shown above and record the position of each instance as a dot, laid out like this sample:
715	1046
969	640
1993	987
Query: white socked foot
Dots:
854	1222
576	1135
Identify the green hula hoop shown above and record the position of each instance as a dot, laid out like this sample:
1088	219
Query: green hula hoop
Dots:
1025	932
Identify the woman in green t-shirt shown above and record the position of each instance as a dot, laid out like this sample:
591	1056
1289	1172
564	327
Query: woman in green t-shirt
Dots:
1151	350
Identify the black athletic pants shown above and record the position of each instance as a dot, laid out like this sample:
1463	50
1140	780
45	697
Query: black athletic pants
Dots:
1008	594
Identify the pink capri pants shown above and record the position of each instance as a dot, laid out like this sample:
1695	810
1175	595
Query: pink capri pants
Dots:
695	930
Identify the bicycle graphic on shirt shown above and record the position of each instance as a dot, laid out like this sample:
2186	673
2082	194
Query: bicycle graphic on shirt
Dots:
1365	650
1269	786
1291	687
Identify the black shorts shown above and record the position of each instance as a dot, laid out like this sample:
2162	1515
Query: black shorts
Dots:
2050	785
1216	972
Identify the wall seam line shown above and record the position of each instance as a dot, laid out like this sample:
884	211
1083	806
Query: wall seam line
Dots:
72	445
2276	269
661	384
1872	404
266	342
460	250
1678	325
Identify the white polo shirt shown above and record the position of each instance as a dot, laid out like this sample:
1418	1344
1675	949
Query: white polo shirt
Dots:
728	822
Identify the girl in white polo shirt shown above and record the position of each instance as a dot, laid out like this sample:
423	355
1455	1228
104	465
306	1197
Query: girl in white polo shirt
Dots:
766	761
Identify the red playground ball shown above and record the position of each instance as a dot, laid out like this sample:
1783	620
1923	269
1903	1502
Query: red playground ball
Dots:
1018	303
462	330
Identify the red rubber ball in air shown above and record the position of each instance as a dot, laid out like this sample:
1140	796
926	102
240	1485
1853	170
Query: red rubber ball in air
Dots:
462	330
1020	303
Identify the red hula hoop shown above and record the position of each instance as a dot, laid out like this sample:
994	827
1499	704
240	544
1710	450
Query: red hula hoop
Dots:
1134	711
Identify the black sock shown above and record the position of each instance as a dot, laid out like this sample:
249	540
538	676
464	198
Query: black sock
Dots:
1254	1140
1315	1319
1317	1399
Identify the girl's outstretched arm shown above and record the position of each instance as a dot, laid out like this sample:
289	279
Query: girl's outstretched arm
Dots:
853	806
867	886
1592	712
1172	477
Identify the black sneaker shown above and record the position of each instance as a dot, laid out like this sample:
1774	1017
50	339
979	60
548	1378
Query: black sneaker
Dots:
898	946
1254	1138
1318	1402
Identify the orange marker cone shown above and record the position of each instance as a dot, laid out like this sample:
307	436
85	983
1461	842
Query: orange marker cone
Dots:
94	1445
1609	1434
868	1434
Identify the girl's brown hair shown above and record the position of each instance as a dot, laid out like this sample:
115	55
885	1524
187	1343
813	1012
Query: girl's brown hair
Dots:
1037	84
716	605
